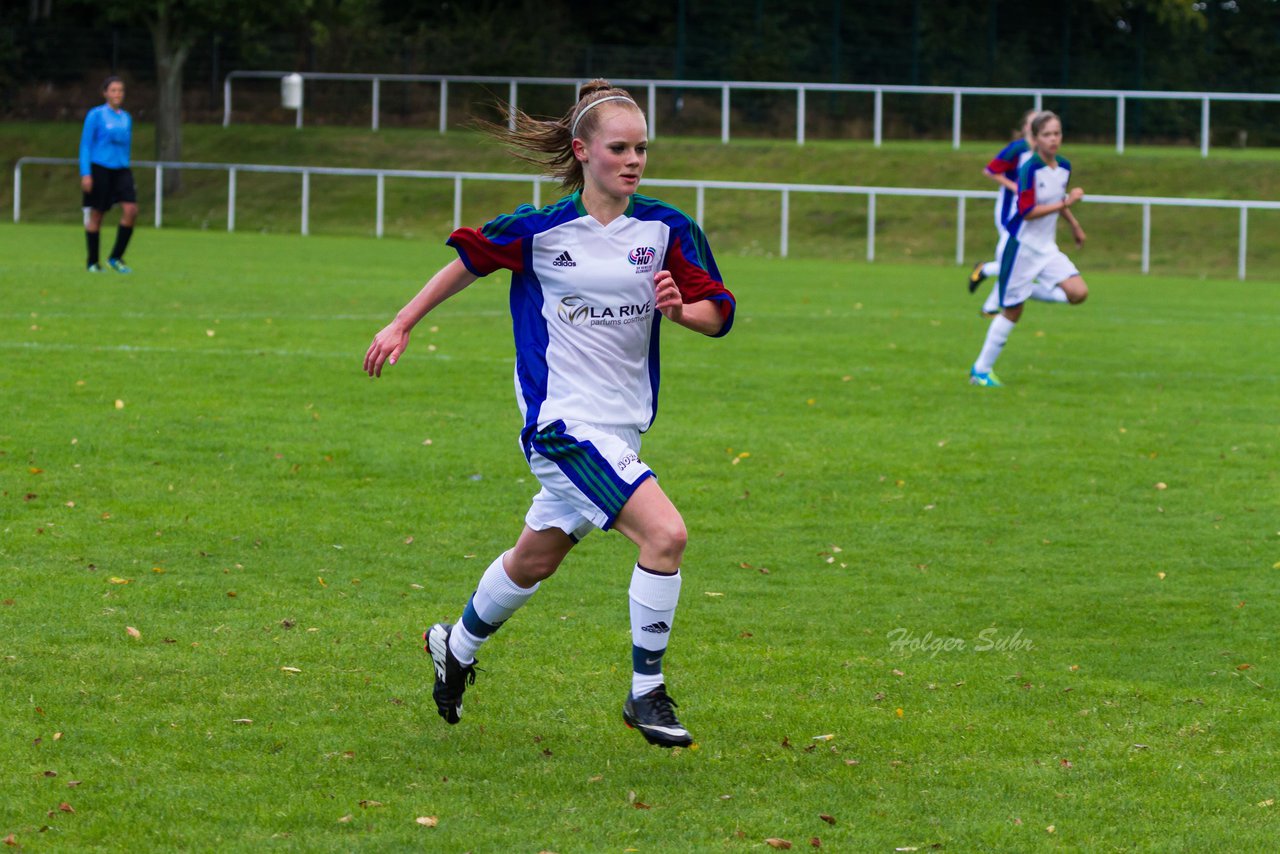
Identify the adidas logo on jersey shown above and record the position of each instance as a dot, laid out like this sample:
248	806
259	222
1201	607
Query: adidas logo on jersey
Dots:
658	628
563	260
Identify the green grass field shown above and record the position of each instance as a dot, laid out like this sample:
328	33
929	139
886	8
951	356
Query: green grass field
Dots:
1041	617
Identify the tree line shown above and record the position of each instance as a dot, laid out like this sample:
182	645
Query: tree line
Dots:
180	49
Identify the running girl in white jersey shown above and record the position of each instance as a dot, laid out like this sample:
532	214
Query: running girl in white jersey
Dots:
1031	251
592	277
1003	169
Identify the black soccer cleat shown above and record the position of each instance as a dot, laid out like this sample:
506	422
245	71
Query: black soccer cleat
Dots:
451	677
653	715
976	277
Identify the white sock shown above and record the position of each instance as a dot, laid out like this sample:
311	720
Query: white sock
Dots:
653	606
497	597
997	334
992	305
1044	293
991	268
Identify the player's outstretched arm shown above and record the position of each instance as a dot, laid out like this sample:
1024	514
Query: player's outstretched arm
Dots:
1002	180
393	338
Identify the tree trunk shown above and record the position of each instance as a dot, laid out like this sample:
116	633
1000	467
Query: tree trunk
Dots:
171	55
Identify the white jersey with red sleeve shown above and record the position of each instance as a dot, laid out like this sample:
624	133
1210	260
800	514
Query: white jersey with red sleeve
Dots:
582	303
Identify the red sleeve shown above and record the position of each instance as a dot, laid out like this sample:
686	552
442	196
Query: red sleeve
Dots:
482	256
999	166
697	283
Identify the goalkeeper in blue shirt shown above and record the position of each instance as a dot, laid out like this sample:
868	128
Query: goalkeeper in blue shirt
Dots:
105	178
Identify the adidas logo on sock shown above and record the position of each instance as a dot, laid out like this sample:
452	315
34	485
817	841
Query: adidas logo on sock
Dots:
658	628
563	260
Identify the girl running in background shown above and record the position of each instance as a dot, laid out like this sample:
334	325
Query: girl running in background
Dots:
1003	169
592	276
1031	251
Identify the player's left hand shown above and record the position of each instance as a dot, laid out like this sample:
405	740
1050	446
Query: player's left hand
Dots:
1079	235
667	297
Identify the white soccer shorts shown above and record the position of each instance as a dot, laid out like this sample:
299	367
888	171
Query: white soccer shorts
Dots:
587	472
1049	267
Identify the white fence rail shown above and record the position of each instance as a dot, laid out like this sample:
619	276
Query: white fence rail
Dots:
801	90
785	191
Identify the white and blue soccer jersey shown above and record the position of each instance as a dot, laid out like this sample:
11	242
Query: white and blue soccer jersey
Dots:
582	304
1039	184
1007	163
106	139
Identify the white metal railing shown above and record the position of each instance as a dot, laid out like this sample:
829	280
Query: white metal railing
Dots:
957	93
700	188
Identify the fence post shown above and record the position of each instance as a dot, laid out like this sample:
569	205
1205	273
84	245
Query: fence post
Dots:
786	219
700	216
1146	238
955	120
457	202
878	120
17	191
537	193
511	106
306	202
724	114
382	203
231	199
960	206
377	91
1204	127
226	101
444	105
871	226
1039	102
159	195
653	111
302	99
1120	124
1244	240
800	116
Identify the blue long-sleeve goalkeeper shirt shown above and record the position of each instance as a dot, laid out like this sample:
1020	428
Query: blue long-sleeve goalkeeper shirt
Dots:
106	139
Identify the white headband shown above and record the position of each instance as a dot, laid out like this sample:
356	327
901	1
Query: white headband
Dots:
573	131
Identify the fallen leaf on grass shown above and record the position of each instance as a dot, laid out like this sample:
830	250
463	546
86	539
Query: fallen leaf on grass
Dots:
427	820
641	805
346	818
369	804
65	807
10	840
133	633
119	404
775	842
290	670
815	842
829	819
57	736
117	580
1243	666
1269	802
826	737
244	721
71	784
51	773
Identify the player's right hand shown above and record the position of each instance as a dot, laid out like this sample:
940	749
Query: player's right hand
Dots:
86	183
386	348
1075	195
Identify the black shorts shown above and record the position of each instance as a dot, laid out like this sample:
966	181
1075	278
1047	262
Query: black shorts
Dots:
109	187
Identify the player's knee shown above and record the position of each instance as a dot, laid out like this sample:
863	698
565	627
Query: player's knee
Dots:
1078	294
669	538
